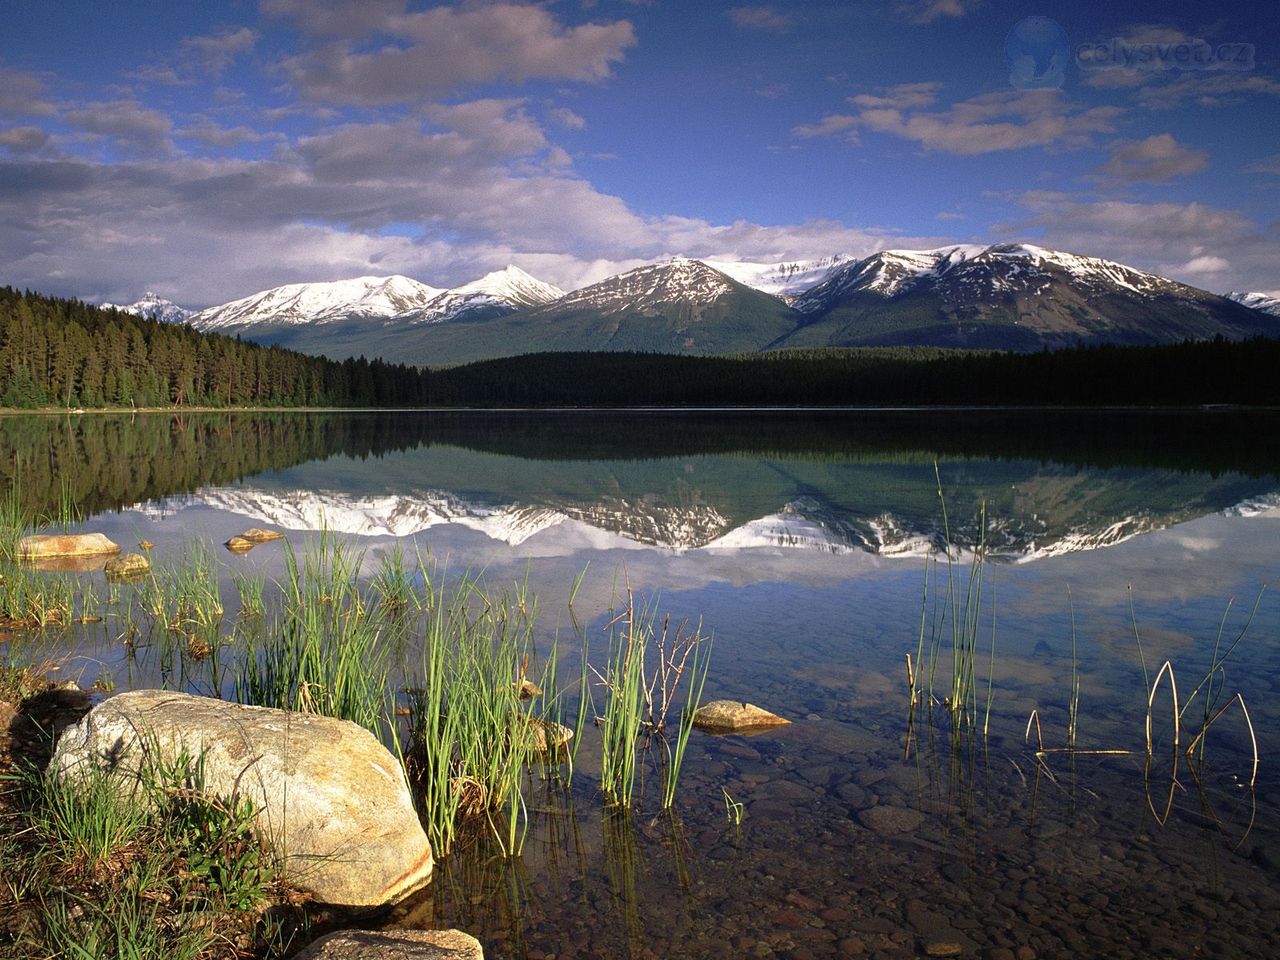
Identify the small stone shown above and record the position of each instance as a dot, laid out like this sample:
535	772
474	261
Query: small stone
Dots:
239	545
129	567
8	717
730	716
942	948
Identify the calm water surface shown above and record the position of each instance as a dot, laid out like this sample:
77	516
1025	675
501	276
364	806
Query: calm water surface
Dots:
801	542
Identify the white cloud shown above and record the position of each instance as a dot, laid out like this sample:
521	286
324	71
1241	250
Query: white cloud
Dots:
566	118
991	122
767	19
127	122
1194	242
1269	164
1154	160
22	94
928	11
25	139
383	53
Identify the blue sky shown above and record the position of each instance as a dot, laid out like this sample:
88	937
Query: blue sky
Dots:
206	151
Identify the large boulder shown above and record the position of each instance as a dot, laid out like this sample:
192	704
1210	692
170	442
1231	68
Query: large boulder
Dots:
44	545
332	801
394	945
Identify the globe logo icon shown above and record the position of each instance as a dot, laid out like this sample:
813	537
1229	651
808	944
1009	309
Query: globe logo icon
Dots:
1037	51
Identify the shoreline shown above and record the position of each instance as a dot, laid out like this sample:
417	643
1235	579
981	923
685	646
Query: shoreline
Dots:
651	408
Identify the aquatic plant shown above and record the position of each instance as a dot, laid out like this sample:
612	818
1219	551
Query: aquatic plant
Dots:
478	719
638	696
950	626
321	652
733	809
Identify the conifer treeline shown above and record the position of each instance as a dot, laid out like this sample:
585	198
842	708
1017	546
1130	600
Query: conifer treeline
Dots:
57	352
1179	374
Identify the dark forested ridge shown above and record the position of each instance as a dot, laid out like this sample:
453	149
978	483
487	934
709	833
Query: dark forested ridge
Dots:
1204	372
57	352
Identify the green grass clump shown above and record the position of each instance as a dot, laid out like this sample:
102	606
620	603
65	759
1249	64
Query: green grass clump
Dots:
93	866
642	680
321	652
476	722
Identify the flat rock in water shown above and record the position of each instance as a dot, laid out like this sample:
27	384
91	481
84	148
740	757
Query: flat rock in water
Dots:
239	545
258	535
888	819
731	716
127	567
394	945
330	797
44	545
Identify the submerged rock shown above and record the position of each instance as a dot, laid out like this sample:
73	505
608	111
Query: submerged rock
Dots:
258	535
549	736
239	545
395	945
128	567
44	545
889	820
731	716
331	798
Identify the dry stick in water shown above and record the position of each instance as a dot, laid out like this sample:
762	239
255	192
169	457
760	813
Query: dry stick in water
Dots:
1177	728
1248	722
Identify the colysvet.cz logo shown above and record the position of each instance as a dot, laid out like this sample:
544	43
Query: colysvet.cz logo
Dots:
1037	52
1194	54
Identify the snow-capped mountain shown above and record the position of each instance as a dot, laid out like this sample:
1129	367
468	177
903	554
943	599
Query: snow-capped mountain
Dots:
495	293
676	281
297	303
678	306
383	300
1012	296
1258	301
1009	296
804	524
971	273
788	279
154	307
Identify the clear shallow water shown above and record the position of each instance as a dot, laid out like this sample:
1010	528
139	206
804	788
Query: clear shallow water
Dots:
800	541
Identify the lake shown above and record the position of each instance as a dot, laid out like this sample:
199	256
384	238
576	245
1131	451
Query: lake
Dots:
809	546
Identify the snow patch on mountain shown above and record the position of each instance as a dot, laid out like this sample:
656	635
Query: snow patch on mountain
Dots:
390	515
296	303
679	279
787	279
505	290
154	307
1265	302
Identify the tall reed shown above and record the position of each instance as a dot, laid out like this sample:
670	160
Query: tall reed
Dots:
321	651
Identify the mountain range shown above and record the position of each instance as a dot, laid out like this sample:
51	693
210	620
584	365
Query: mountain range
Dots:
1011	296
